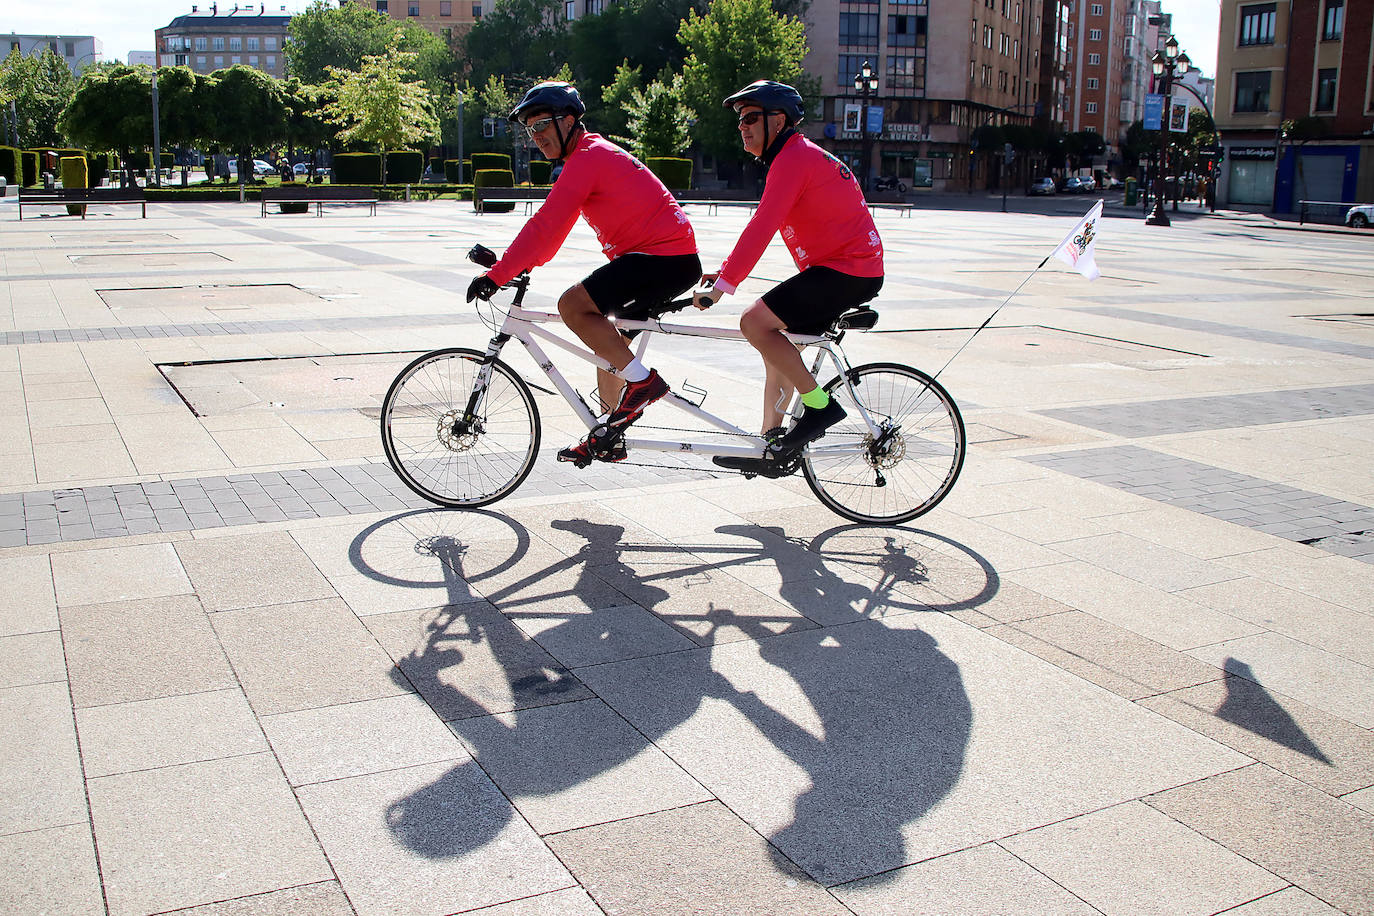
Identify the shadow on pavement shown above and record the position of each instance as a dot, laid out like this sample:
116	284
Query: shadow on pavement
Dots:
876	715
1254	709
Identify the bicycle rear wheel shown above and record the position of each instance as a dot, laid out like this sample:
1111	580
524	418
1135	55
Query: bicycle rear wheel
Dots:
443	454
904	471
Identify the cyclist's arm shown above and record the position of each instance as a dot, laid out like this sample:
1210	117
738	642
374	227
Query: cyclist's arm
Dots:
544	233
780	192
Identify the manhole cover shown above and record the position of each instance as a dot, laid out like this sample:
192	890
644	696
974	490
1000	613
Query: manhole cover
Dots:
210	296
290	384
149	259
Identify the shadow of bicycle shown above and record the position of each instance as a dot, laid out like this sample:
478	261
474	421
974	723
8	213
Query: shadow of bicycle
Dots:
789	677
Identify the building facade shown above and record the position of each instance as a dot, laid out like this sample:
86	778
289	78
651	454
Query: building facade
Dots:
79	51
212	38
1099	34
1306	63
943	71
448	19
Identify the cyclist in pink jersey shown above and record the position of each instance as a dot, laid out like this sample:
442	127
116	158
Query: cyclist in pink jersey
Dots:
813	200
643	232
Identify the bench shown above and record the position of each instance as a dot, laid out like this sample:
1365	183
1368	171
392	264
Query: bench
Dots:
887	200
729	197
62	197
1307	209
527	196
319	195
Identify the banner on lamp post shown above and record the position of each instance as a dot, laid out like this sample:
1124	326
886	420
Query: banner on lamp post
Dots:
1154	111
1178	117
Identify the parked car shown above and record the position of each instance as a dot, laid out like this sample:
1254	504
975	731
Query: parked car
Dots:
302	169
1360	216
260	167
1041	186
1077	185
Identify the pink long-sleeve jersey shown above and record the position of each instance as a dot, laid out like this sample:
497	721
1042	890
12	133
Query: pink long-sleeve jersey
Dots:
813	199
625	204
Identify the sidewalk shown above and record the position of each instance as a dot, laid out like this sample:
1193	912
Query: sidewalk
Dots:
1124	668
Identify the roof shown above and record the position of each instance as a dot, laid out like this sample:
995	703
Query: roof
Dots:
233	18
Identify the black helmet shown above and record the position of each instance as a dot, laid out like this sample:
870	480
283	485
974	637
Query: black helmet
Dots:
771	96
557	97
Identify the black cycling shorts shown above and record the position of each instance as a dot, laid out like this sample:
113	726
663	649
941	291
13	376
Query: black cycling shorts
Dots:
811	301
633	283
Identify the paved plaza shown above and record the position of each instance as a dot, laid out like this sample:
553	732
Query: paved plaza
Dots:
1126	667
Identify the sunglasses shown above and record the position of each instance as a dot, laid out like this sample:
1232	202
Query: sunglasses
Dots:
750	118
535	127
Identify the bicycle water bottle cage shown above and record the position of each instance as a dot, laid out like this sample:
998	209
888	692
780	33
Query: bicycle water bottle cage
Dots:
482	256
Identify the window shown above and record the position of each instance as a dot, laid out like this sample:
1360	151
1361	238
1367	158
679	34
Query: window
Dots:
1094	59
252	60
987	76
235	60
906	31
905	73
1090	108
269	43
445	7
859	30
236	44
252	44
413	8
271	62
217	44
1096	9
1333	23
382	6
850	64
200	62
1257	24
1092	82
1252	91
988	34
1016	49
1002	80
569	9
1094	34
477	11
1326	90
219	61
200	44
180	60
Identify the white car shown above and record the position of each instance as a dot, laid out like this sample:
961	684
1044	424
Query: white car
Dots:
1360	216
259	167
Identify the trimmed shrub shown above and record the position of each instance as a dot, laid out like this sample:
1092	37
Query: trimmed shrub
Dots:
453	171
541	171
404	166
357	168
137	160
98	165
74	175
436	165
294	206
493	178
11	164
30	166
490	161
673	172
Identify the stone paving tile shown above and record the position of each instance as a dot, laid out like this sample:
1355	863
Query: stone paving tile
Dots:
1260	335
571	902
124	737
323	899
699	859
141	650
32	658
198	833
1290	901
1299	833
40	770
118	574
251	570
577	635
1131	859
983	881
438	838
50	871
30	605
574	765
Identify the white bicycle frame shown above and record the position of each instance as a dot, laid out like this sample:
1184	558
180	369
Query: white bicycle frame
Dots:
525	325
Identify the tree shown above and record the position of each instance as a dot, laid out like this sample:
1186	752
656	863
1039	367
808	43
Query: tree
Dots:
517	39
324	37
186	114
112	109
1082	145
612	117
40	86
733	44
250	112
305	123
659	121
378	105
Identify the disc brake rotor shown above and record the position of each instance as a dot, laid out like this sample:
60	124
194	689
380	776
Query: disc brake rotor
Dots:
448	434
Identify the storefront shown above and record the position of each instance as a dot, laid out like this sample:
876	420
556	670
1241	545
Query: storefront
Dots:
1249	176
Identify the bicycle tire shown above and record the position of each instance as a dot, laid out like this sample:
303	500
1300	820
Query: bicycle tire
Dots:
451	469
916	471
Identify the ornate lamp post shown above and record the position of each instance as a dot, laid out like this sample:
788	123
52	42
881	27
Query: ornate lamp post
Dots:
1167	65
866	85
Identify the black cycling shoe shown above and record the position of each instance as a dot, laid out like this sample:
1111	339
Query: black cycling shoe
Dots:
811	426
582	455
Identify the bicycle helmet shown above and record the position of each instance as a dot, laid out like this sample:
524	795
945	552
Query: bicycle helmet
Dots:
772	96
557	97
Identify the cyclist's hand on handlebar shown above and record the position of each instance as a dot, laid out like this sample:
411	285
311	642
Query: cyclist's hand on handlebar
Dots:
482	287
707	295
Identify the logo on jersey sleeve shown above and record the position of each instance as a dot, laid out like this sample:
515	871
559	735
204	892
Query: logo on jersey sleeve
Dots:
844	169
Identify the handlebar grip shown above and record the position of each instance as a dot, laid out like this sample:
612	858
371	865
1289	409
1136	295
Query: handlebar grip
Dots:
482	256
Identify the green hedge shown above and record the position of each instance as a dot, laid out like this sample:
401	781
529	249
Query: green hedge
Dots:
493	178
357	168
74	175
30	165
11	164
456	172
217	193
436	165
404	166
490	161
99	166
541	171
673	172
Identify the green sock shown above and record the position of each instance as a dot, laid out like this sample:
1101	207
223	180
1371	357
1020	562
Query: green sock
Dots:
816	398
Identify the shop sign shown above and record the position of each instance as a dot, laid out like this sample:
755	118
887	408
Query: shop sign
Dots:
1251	152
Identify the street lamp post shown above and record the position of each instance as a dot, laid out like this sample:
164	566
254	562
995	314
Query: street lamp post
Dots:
866	85
1167	65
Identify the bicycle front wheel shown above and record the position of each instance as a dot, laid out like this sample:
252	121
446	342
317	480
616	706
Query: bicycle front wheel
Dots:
455	445
904	470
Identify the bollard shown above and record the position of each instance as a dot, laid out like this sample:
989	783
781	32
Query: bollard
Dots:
4	188
49	183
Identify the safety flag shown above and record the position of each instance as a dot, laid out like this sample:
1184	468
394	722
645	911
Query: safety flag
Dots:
1077	248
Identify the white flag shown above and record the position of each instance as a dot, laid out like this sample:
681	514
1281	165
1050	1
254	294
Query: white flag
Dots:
1077	248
